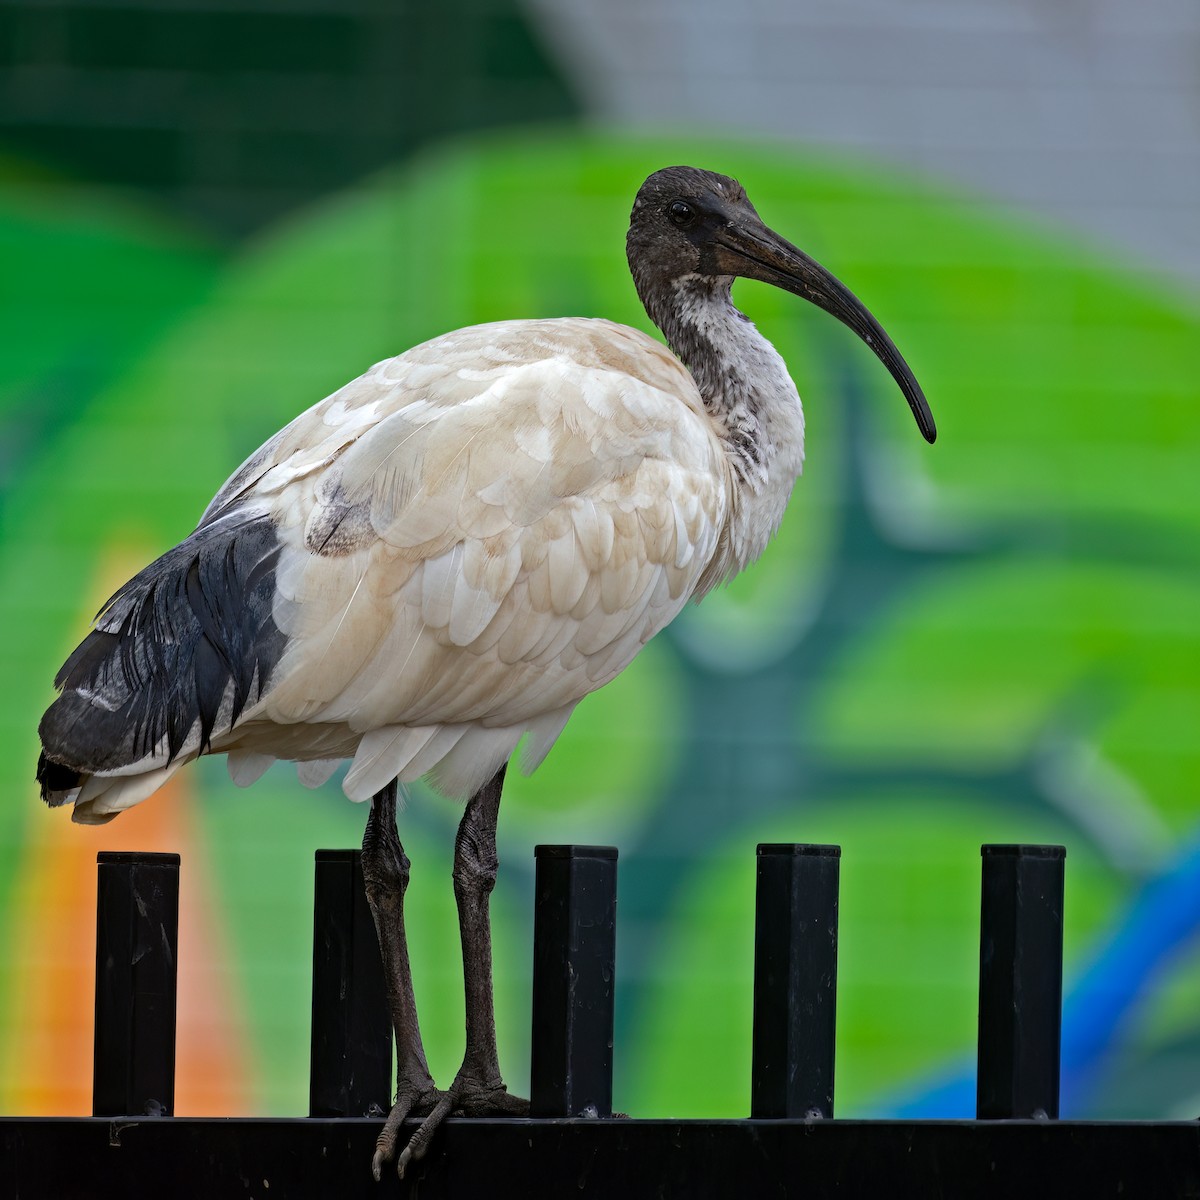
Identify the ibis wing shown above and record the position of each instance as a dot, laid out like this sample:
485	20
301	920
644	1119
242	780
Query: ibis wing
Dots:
175	656
448	553
499	543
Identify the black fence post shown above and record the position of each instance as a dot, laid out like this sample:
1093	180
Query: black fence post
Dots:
795	981
574	958
351	1059
1020	981
137	936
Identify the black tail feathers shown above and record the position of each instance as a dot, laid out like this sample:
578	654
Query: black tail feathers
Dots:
186	643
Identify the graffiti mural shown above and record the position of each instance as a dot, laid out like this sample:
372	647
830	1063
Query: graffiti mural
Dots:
993	639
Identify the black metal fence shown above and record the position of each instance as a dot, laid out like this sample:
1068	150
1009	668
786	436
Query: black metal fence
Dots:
571	1145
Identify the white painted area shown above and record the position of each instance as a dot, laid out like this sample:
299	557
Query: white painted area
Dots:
1087	114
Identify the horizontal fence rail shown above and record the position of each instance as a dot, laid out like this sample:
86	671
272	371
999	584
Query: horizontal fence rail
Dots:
790	1146
185	1157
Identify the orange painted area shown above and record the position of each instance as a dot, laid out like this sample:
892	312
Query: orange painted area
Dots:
47	1048
50	1050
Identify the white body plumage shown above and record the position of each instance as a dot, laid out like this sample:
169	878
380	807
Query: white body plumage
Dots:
478	533
453	550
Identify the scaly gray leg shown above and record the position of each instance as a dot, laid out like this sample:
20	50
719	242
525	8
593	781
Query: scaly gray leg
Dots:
478	1089
385	874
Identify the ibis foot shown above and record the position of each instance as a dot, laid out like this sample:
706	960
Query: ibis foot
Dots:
465	1097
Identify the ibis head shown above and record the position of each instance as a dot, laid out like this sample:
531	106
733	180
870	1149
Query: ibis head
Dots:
689	224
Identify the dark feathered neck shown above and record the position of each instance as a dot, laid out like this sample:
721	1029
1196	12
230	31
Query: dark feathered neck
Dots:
741	379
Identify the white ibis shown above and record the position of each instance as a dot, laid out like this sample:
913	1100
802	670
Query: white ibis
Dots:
448	554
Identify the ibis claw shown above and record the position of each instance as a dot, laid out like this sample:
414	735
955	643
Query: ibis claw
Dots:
466	1097
409	1102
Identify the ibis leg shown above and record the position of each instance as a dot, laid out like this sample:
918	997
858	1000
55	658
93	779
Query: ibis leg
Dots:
385	875
478	1089
475	865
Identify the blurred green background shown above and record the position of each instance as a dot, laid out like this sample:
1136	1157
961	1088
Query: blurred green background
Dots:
212	217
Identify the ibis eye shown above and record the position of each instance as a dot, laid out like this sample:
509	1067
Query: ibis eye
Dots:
681	213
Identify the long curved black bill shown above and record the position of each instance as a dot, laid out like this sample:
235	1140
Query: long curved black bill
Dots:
754	251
